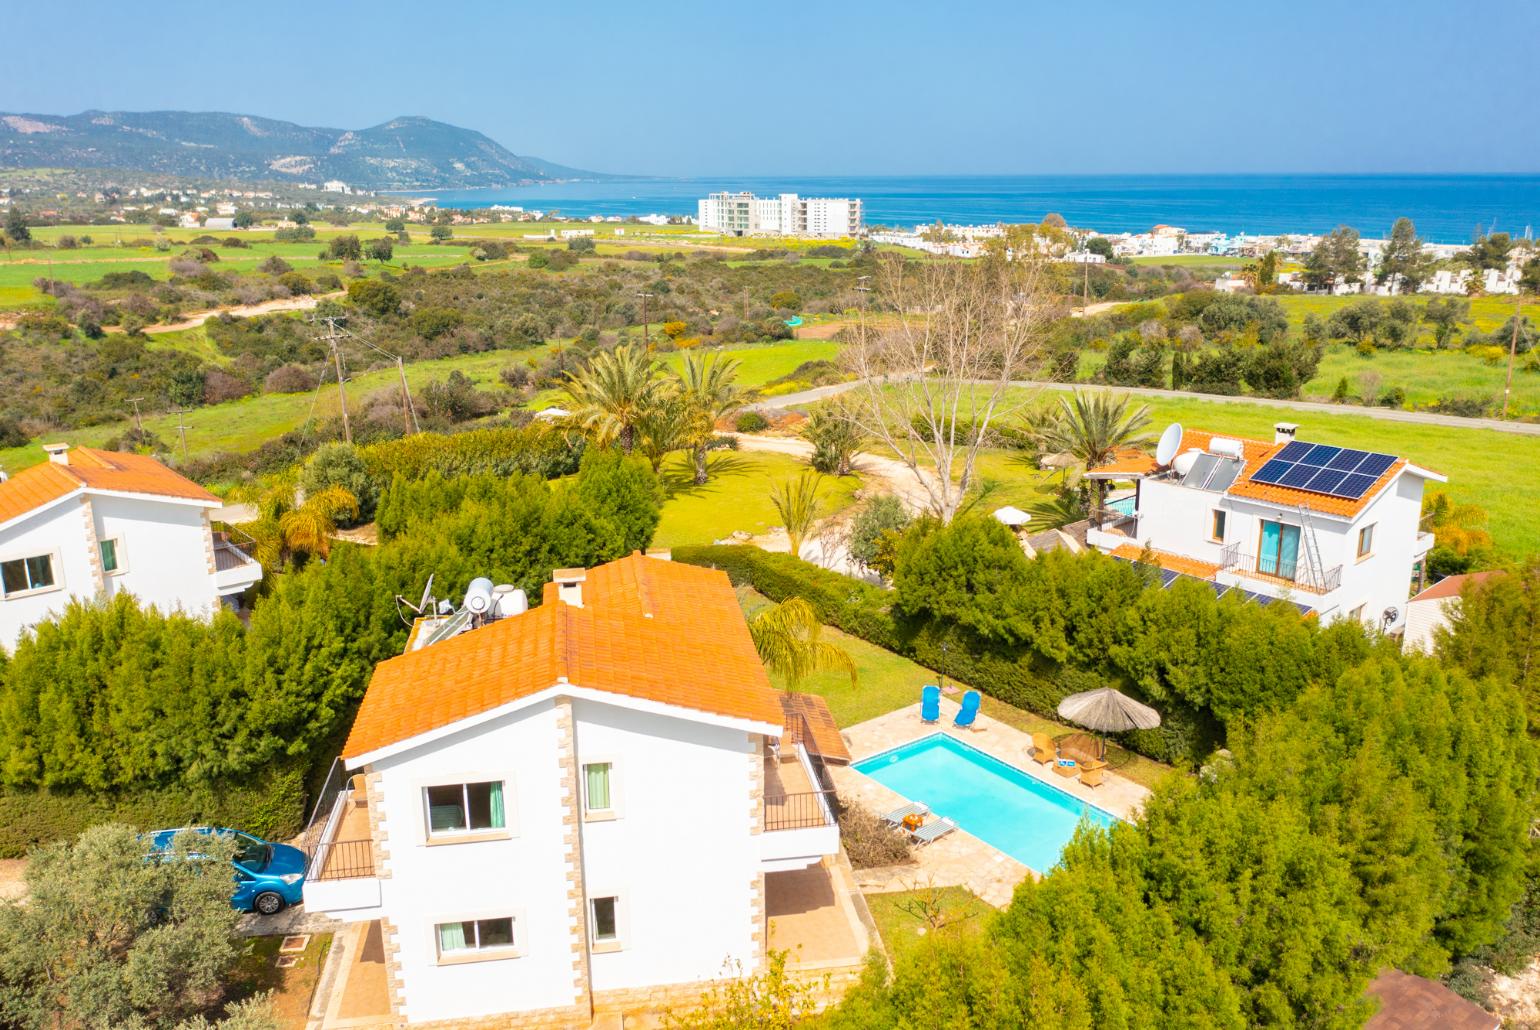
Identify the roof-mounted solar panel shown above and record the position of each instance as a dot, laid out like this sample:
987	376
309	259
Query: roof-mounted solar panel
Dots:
1355	486
1326	481
1293	451
1375	465
1320	454
1348	460
1299	475
1272	472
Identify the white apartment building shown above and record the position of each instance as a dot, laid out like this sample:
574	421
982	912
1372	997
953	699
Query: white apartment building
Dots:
744	214
575	809
1334	530
89	523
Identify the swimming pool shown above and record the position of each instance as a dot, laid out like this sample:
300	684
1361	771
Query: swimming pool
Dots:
1124	505
1001	805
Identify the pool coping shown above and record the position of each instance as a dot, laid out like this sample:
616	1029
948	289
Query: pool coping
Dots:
941	733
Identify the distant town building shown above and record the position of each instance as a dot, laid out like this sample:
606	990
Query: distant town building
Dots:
336	186
744	214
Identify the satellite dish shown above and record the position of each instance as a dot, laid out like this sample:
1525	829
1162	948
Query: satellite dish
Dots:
1170	440
427	595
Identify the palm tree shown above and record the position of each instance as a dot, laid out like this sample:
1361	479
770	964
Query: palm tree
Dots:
283	530
612	392
1093	427
788	637
797	503
709	388
665	425
835	438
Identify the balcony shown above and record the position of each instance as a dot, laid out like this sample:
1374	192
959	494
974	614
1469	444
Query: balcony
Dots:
1295	575
1110	528
340	879
234	569
799	812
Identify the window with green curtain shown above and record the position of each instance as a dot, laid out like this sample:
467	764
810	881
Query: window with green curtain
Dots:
451	937
109	555
598	776
499	819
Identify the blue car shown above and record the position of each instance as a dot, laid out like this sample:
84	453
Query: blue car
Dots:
268	876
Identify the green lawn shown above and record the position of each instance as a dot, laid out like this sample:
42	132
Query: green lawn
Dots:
905	918
1486	312
886	681
737	496
1427	375
1216	261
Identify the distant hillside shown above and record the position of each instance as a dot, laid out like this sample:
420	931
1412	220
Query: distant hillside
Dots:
403	153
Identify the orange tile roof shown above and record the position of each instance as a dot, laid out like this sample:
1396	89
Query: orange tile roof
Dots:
1167	560
92	469
1290	497
1256	454
648	628
1454	586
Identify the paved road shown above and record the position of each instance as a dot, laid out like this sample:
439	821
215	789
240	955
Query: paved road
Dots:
1427	418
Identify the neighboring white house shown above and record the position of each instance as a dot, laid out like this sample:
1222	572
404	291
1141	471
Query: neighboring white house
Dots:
1331	529
576	808
1429	611
89	523
744	214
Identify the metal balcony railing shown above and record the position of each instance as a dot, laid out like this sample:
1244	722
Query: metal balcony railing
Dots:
808	810
1296	573
341	860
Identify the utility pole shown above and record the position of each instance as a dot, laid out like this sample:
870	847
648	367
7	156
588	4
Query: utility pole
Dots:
646	325
138	424
181	428
1513	347
333	333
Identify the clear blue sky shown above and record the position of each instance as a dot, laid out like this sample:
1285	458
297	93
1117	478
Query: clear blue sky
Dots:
687	88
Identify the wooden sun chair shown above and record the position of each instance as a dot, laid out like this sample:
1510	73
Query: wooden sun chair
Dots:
1091	773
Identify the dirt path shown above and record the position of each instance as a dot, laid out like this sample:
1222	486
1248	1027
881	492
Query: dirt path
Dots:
12	882
267	307
894	475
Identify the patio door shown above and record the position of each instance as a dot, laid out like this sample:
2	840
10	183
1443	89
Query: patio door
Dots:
1280	550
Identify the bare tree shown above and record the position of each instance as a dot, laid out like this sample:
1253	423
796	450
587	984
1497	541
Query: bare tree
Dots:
936	377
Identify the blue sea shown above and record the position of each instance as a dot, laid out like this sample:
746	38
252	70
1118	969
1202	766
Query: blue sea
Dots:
1446	208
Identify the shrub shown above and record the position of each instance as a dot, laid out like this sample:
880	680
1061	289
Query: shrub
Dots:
275	265
751	422
785	300
298	285
220	386
868	841
374	295
432	322
339	464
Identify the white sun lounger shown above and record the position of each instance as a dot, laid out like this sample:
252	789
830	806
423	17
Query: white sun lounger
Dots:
932	831
898	815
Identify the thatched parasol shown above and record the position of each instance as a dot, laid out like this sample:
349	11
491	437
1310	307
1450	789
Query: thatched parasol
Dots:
1108	711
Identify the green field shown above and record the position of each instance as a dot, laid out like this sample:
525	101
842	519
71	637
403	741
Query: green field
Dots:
244	424
737	496
1427	375
1192	261
1486	312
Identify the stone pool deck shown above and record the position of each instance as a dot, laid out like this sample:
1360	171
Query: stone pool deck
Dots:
960	859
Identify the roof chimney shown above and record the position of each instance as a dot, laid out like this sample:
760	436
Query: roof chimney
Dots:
1283	432
58	453
569	585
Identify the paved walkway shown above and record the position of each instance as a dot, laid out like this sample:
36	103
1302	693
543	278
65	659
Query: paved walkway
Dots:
894	474
960	859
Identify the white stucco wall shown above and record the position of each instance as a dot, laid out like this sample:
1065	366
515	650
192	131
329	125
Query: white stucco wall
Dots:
523	875
59	530
680	854
162	553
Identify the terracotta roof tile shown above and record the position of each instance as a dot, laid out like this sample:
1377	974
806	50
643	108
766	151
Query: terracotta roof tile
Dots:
648	628
1454	586
1412	1003
1167	560
113	471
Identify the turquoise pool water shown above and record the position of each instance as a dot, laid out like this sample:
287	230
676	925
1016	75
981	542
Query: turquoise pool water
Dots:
1004	807
1123	504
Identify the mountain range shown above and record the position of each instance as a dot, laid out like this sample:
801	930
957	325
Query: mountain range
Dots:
403	153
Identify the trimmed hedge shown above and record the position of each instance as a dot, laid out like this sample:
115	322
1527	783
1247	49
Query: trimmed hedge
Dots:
270	805
1014	676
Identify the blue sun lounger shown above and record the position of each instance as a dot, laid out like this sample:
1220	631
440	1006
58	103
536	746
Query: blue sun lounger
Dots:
930	703
969	710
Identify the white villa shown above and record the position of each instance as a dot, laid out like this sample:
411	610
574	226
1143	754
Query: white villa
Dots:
89	523
1333	530
565	812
